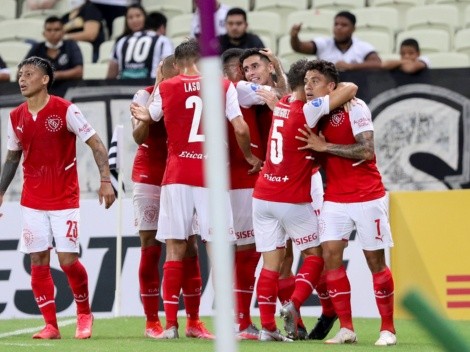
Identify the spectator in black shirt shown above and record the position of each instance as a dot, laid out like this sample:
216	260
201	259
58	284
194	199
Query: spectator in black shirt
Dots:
237	35
65	55
4	71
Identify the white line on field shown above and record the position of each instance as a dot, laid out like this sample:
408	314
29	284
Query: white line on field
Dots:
29	330
25	344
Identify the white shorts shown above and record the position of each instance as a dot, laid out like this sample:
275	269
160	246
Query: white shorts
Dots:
272	221
41	226
316	191
178	205
146	200
242	209
338	220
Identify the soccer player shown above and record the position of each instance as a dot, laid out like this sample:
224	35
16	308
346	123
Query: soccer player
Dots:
241	192
183	192
282	207
354	195
46	125
147	174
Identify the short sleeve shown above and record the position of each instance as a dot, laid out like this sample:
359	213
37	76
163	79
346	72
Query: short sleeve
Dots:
156	107
232	108
13	142
141	97
315	109
77	123
360	117
247	93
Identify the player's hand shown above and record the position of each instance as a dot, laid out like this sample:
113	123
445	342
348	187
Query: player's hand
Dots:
349	104
269	54
294	31
268	96
255	162
106	194
140	112
314	142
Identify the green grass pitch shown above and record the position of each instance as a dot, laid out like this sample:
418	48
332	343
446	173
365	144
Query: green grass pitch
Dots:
126	334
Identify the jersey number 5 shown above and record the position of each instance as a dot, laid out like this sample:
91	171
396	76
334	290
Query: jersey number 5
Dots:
195	102
275	154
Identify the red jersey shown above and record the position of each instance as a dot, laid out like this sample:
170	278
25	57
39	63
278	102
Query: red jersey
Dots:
48	142
286	174
264	117
177	100
150	158
239	177
347	180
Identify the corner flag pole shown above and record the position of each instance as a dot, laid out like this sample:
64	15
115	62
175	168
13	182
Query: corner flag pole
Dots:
119	165
215	130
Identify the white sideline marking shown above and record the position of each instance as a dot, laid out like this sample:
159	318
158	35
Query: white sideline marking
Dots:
25	344
30	330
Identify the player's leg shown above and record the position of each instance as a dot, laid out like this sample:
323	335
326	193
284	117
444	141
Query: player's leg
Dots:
146	201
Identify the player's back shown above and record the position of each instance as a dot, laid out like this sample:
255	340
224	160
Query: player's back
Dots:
182	112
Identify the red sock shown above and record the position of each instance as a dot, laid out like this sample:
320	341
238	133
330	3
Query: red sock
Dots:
306	279
43	289
339	290
384	292
267	294
322	291
78	281
246	262
192	286
286	289
149	280
172	282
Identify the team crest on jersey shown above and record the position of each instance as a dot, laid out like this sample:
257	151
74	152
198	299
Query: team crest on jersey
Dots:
317	102
150	213
53	123
27	237
337	118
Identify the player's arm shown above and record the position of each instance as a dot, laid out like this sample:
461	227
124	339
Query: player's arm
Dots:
281	88
344	92
140	129
100	155
153	112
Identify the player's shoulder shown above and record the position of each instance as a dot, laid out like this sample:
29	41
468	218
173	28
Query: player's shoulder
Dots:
59	101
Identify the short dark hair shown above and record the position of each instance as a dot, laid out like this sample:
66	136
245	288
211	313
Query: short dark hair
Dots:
188	50
250	52
346	14
296	74
236	11
411	42
230	54
155	20
326	68
52	19
44	64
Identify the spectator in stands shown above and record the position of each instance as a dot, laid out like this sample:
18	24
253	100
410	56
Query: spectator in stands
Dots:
237	35
135	20
33	5
110	9
219	18
410	60
4	71
84	23
65	55
138	55
345	51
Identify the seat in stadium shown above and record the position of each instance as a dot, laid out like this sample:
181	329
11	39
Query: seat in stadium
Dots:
433	16
243	4
265	23
430	40
287	55
466	18
462	41
8	10
105	51
21	29
383	19
461	5
313	21
87	51
281	7
13	52
381	41
401	5
338	5
95	71
448	60
179	25
60	8
169	8
390	56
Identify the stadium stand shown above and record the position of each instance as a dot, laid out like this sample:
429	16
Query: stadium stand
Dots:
383	19
383	42
338	5
118	26
106	49
59	9
21	29
8	10
95	71
169	7
317	22
430	40
289	56
13	52
179	25
462	41
281	7
87	51
265	23
448	60
400	5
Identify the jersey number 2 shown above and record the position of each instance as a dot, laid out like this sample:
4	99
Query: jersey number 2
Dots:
275	154
195	102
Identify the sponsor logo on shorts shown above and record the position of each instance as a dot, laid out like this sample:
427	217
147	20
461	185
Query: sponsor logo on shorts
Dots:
27	237
150	214
53	123
306	239
244	234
